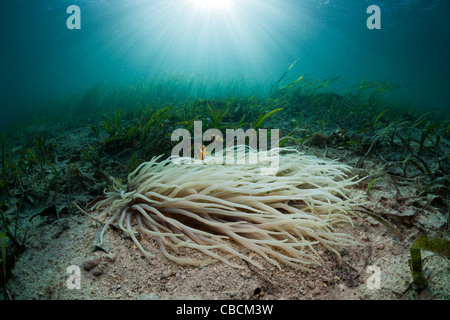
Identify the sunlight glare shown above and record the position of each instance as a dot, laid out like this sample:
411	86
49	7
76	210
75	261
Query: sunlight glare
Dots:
213	4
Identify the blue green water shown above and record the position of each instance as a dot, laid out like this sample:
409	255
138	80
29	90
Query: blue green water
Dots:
137	40
93	89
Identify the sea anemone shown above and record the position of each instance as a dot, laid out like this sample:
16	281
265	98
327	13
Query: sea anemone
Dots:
217	208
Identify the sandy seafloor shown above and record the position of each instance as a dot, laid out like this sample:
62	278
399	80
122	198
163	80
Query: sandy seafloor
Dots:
121	271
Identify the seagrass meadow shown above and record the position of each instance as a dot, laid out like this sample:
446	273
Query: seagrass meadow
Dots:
314	169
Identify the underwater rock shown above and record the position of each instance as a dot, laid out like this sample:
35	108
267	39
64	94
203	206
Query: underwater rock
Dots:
112	257
91	263
97	272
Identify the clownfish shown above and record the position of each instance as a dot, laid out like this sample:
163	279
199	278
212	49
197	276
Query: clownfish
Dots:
216	137
201	153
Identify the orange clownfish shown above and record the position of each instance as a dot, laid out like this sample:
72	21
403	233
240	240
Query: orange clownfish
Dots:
216	137
201	153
